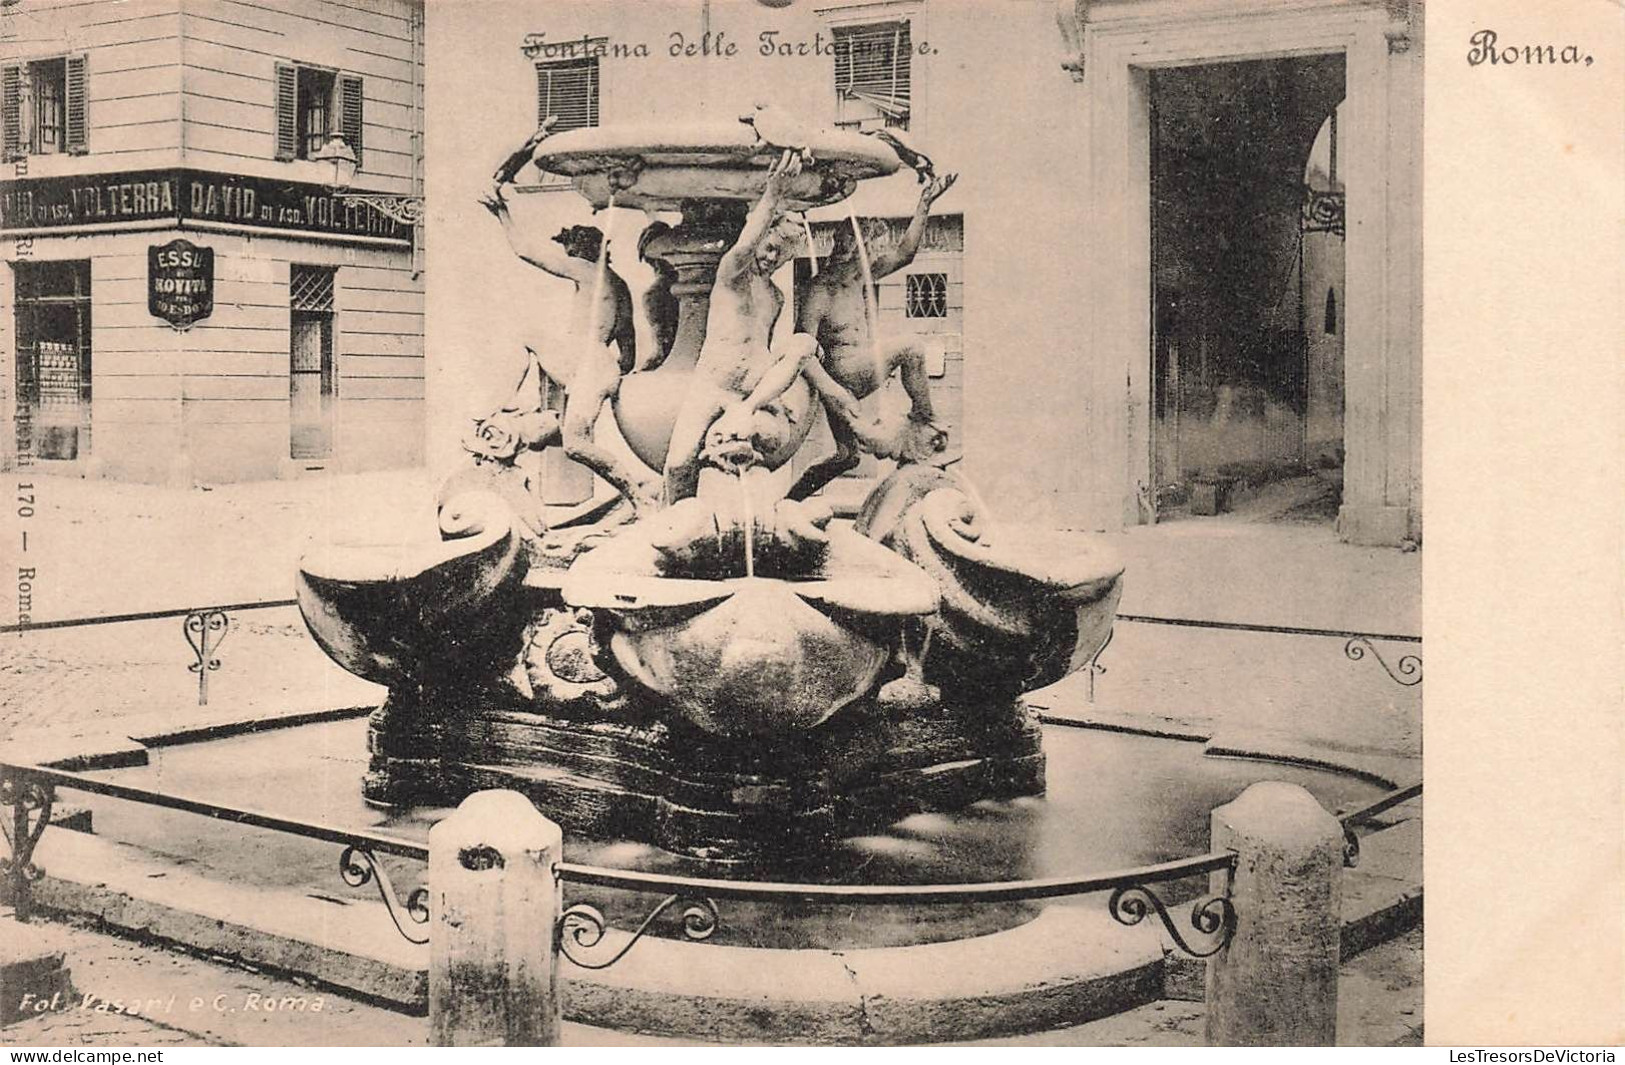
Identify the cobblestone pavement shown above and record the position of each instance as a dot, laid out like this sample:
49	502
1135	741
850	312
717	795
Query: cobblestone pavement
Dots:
1379	1004
190	1001
102	547
83	679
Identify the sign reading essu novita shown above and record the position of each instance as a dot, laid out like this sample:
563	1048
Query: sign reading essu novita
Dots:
180	282
189	196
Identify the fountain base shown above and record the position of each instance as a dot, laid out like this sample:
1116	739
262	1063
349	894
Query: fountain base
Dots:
725	799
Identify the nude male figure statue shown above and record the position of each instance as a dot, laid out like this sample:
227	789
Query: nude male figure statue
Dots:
736	374
831	308
602	325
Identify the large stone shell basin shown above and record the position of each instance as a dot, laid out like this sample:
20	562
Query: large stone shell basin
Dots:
1021	607
754	656
711	161
382	610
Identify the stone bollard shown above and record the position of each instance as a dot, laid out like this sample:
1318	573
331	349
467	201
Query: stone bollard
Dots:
493	905
1275	984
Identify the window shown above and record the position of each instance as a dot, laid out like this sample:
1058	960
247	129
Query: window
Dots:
1331	312
926	295
42	107
568	89
50	80
310	362
314	105
315	114
872	75
53	359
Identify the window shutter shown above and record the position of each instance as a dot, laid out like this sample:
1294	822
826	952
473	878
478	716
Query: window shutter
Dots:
568	90
872	64
74	105
11	112
287	111
350	113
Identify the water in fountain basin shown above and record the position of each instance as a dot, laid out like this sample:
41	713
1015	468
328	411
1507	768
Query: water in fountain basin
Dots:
812	248
869	309
1114	801
748	513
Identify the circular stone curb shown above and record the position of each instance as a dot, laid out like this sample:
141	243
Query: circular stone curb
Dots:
1068	965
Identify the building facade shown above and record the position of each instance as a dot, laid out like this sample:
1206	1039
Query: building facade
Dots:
1184	245
195	291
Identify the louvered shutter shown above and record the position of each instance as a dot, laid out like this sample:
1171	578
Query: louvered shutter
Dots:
287	111
568	90
872	64
11	112
77	141
350	114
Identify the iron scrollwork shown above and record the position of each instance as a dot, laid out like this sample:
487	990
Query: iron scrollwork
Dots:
583	926
1351	846
205	631
1214	917
1095	668
403	210
30	803
1323	212
358	866
1407	671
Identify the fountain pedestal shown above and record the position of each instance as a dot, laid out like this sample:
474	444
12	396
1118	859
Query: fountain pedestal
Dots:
731	800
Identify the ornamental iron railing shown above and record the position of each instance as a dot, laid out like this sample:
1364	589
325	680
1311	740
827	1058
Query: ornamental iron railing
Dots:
30	792
1361	815
1406	670
204	627
583	927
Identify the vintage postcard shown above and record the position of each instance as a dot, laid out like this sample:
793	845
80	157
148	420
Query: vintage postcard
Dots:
798	522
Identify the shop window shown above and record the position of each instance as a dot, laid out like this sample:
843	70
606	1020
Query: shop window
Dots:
42	107
926	295
310	362
52	309
872	75
313	105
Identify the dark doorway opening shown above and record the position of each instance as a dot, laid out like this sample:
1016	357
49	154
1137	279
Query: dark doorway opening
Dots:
1247	275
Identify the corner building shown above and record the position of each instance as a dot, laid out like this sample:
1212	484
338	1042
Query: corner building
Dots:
190	296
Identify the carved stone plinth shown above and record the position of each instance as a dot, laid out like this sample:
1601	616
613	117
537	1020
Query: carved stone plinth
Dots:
721	798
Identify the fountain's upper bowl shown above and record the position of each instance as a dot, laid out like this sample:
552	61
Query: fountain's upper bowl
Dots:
675	165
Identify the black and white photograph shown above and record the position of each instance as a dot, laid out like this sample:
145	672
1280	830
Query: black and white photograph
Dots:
717	522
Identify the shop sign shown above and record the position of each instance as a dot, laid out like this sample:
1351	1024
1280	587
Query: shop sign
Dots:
180	282
207	196
43	203
190	196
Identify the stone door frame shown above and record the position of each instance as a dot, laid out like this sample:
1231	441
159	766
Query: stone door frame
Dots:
1122	43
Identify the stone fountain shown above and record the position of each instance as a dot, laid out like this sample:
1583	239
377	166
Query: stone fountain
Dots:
731	675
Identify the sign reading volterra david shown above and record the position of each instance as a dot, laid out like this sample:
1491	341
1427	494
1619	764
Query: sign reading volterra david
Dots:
198	196
180	282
